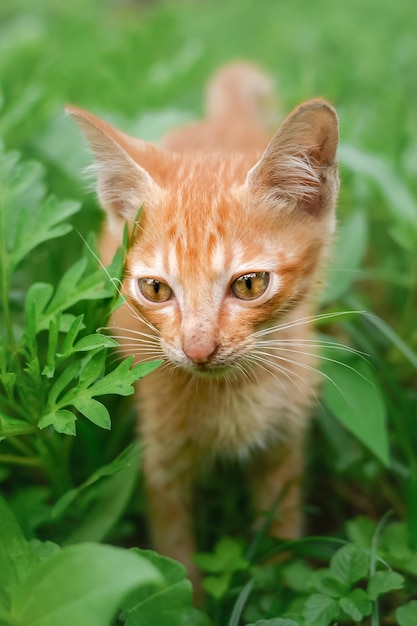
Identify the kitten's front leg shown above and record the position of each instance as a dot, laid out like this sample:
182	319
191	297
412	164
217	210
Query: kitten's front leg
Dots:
276	480
169	485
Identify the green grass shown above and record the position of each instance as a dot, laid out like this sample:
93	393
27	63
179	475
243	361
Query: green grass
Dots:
144	66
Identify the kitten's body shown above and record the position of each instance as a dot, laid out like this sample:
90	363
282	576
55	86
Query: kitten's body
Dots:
239	377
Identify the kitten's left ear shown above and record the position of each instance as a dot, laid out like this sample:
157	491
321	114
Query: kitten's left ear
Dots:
123	185
299	164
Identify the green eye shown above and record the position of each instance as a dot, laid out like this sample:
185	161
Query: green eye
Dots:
154	290
250	286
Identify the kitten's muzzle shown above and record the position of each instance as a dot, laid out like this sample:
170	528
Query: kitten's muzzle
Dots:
201	351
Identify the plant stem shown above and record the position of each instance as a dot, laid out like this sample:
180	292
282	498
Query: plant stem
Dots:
20	460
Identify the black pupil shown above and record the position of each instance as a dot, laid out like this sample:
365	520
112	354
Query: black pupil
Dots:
248	283
155	284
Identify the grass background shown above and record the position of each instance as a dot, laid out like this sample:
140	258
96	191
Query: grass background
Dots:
143	66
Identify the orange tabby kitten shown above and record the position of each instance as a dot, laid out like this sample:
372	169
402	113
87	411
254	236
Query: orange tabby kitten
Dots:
219	283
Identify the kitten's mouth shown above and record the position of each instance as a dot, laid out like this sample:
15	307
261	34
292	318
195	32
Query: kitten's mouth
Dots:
209	370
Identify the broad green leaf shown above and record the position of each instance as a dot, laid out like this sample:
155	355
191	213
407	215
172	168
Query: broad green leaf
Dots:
350	564
324	581
16	555
93	410
406	615
357	604
320	610
82	584
169	605
383	582
347	256
361	531
353	395
298	575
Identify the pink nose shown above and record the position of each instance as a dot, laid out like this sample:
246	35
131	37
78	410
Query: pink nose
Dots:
202	351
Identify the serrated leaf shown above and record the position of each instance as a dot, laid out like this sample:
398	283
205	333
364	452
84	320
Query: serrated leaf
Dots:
350	564
383	582
407	615
357	605
37	227
353	395
121	379
320	610
64	590
62	420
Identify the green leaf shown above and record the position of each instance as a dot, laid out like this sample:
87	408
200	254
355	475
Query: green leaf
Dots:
12	427
93	410
82	584
350	564
276	621
217	586
62	420
120	380
91	342
16	555
347	256
357	604
324	582
383	582
407	615
353	395
227	557
169	605
125	460
298	576
34	229
109	499
320	610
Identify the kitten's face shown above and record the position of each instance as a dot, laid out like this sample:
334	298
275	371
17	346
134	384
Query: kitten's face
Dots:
210	268
224	247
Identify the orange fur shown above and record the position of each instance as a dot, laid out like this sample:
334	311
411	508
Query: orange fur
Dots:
239	376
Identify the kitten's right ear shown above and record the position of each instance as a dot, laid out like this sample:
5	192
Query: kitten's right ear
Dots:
122	184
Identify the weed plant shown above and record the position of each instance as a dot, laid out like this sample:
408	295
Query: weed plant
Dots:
72	508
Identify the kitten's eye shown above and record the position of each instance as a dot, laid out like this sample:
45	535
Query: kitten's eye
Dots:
250	286
154	290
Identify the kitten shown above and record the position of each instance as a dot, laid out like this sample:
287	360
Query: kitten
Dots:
219	282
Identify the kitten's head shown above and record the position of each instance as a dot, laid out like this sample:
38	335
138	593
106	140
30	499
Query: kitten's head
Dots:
225	246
